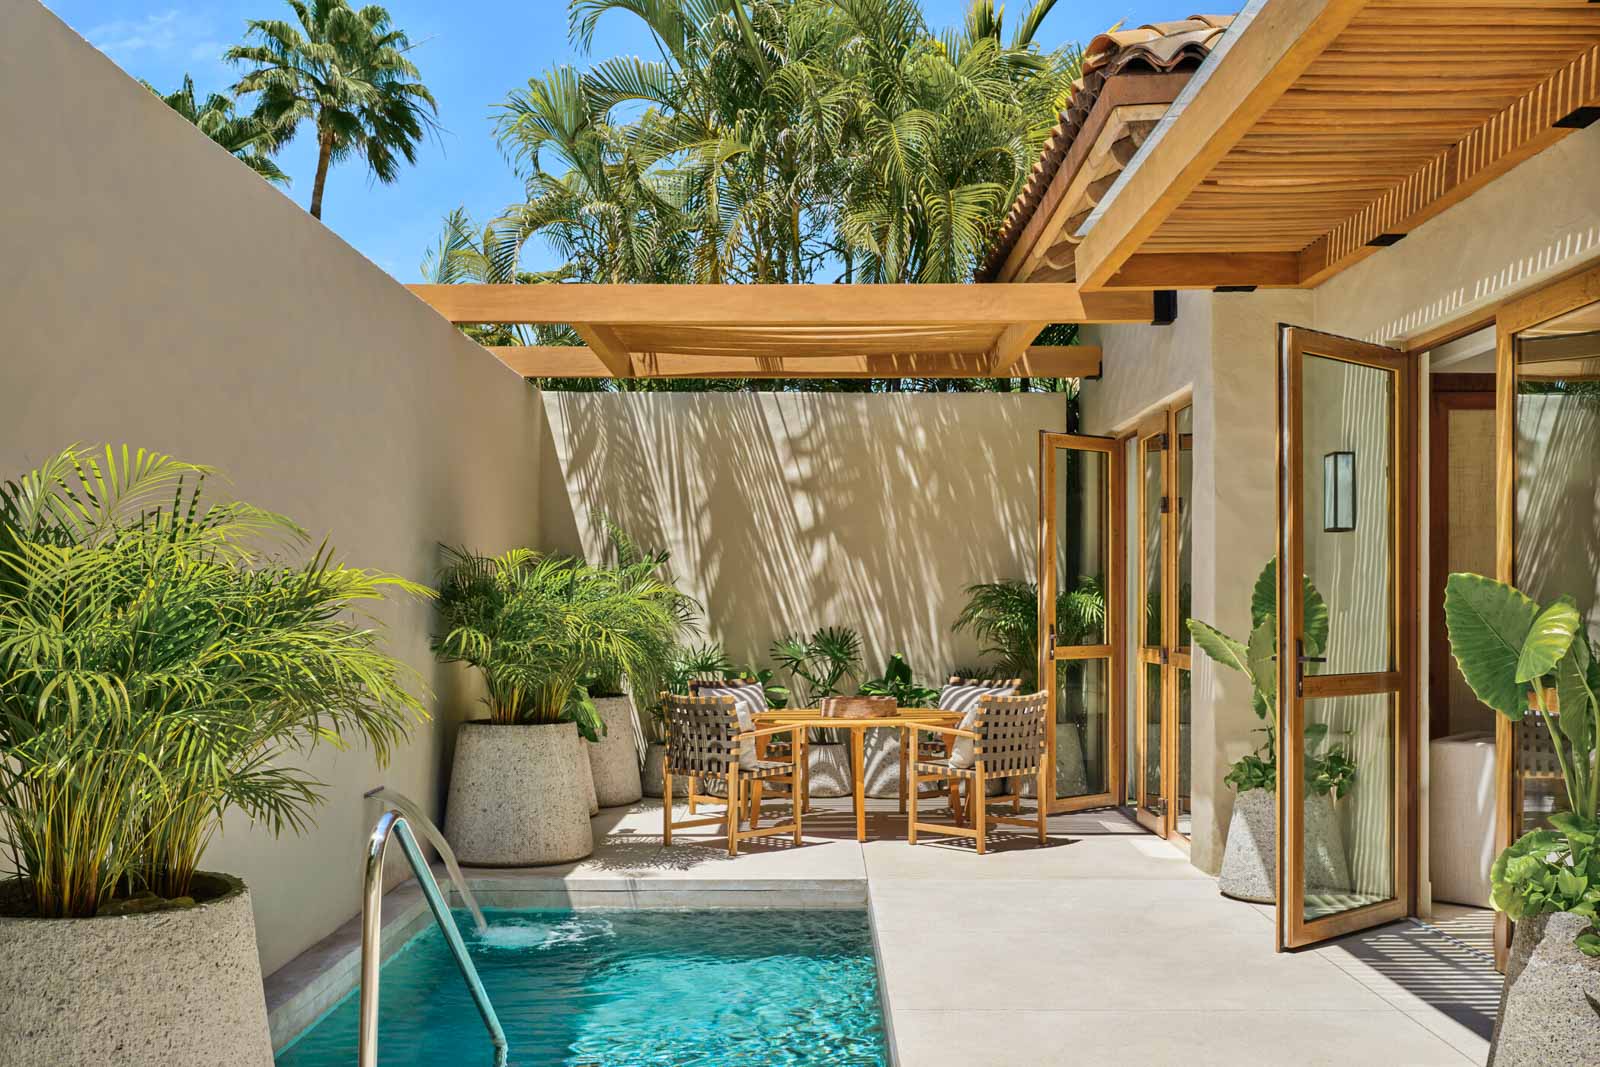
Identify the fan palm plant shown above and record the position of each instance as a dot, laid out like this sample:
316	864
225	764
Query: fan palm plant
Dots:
1005	615
346	71
248	138
535	626
160	666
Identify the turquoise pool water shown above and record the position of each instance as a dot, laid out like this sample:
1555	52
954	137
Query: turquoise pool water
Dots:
628	989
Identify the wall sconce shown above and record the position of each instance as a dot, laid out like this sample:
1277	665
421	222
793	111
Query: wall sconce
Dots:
1339	492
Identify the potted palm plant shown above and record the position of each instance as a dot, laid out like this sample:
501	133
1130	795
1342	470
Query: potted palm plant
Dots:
161	670
535	626
1249	860
882	747
819	665
1525	660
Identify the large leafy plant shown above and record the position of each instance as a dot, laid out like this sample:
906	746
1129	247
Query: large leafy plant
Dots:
161	667
1329	771
1518	657
1005	616
653	670
897	681
535	626
820	663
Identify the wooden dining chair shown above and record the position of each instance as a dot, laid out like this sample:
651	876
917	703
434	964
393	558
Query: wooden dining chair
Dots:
777	749
712	738
959	694
1003	738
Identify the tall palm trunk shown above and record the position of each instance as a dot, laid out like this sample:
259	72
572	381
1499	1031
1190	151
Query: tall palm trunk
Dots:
324	157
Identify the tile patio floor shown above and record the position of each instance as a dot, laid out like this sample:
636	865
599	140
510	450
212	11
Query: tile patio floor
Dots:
1103	947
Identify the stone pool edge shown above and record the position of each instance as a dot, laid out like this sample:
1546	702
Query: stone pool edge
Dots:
308	986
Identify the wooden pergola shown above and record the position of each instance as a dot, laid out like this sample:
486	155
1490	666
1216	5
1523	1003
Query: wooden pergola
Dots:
795	331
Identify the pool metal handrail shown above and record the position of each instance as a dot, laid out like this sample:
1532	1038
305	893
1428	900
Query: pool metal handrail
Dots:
399	813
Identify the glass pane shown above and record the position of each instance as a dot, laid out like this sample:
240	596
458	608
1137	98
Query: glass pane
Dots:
1150	462
1349	840
1083	722
1154	798
1183	492
1083	542
1349	408
1557	508
1185	809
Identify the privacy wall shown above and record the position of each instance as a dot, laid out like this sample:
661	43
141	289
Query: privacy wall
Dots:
157	292
790	511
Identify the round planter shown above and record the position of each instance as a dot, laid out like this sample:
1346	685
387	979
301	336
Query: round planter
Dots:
614	759
881	753
1072	770
1547	1012
586	772
519	796
827	775
1250	859
652	780
158	989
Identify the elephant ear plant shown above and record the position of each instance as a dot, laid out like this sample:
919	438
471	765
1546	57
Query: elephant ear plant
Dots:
535	626
162	667
1518	657
1329	772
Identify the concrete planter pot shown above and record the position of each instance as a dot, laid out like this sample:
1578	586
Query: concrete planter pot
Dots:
1547	1012
1250	859
827	775
158	989
614	759
519	795
1072	770
653	778
881	753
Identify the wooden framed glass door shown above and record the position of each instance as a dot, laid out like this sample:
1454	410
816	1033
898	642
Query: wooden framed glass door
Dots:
1163	462
1080	493
1547	515
1346	666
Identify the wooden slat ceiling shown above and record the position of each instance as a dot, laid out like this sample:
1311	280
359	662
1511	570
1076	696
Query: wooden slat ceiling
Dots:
835	331
1410	107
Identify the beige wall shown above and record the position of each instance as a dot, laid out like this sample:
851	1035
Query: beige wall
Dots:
156	292
785	511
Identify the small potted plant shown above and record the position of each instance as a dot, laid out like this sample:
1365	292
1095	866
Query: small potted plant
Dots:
1522	659
882	747
1249	860
819	666
535	626
161	669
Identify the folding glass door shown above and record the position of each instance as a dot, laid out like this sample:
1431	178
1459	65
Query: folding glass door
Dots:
1080	495
1346	637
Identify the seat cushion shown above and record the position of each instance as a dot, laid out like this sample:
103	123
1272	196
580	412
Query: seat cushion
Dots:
966	697
750	692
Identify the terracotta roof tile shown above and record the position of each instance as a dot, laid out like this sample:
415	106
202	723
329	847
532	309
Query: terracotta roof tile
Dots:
1156	47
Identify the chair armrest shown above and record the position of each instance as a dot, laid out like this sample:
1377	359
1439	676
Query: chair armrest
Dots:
948	731
770	731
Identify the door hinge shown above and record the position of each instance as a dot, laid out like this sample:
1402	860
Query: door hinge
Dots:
1166	504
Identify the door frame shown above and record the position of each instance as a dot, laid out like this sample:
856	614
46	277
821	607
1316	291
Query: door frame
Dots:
1293	929
1113	653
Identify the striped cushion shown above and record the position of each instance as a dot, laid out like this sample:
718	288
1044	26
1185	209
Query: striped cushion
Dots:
964	695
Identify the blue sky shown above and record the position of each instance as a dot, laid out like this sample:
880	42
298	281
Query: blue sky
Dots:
471	54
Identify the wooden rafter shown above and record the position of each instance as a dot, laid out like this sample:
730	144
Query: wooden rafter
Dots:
1038	361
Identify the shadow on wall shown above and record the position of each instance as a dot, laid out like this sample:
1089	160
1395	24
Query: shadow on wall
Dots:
788	511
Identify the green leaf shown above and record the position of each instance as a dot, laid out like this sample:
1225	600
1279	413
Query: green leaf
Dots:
1548	639
1588	943
1219	646
1487	621
1264	606
1576	697
1263	662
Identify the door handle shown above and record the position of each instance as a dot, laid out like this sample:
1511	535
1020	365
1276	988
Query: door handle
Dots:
1300	661
1050	643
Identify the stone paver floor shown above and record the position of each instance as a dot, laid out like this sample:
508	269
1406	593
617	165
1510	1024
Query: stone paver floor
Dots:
1103	947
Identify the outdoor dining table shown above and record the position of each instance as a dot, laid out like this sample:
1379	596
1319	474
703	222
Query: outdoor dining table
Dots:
813	719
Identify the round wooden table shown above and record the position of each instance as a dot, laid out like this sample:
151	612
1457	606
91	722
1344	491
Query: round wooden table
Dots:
813	719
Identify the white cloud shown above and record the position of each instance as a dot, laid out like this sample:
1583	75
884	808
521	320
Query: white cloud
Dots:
123	37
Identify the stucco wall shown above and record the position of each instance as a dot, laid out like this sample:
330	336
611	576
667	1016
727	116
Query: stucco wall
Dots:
158	293
788	511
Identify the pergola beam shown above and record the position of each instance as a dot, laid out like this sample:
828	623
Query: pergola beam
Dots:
603	341
1038	361
583	305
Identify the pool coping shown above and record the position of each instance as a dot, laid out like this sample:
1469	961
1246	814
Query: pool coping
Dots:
309	986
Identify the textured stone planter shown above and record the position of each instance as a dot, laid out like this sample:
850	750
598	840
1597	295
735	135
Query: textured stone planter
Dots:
655	755
881	752
1250	860
1547	1012
1072	770
519	796
827	775
614	759
161	989
586	772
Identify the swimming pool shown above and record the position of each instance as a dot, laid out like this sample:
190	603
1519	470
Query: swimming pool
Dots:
620	988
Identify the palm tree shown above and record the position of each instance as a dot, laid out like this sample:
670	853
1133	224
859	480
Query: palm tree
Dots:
250	140
346	71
